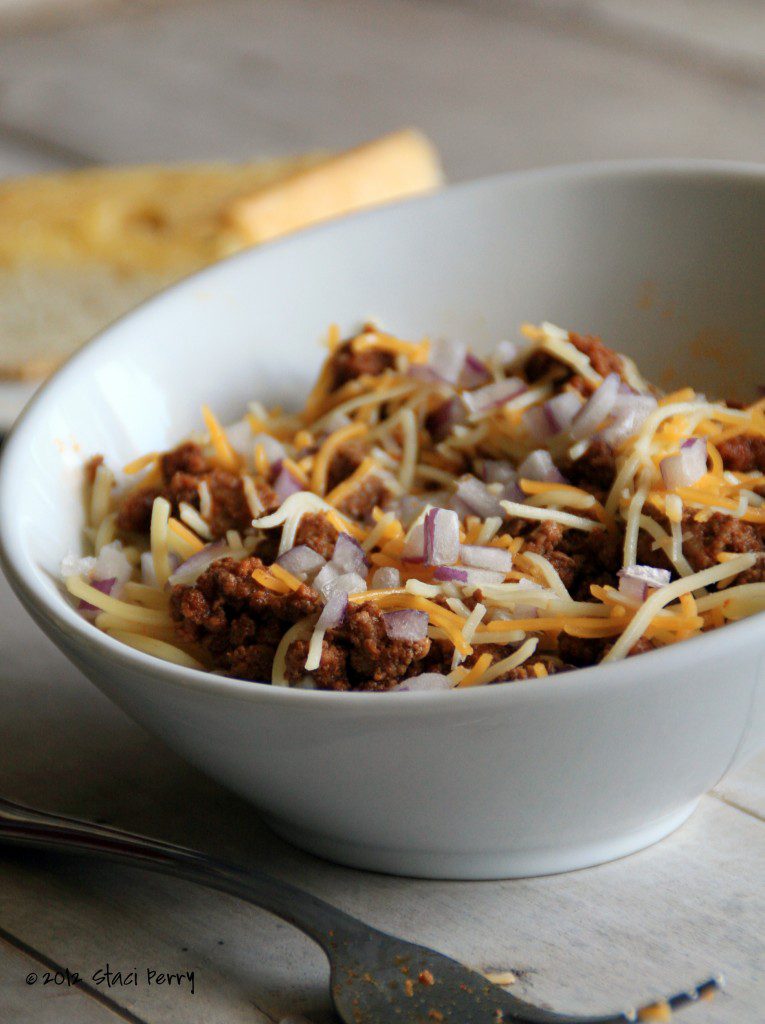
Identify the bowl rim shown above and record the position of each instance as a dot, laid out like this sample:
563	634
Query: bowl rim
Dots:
53	612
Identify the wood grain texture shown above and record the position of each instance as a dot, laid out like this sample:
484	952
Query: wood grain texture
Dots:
497	85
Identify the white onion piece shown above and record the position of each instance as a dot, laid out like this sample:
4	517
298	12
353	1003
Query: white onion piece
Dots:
334	611
479	557
506	352
442	537
561	410
497	471
628	415
301	561
494	395
188	572
414	545
347	583
111	564
478	497
447	357
349	555
636	580
286	484
467	576
688	466
324	578
274	450
386	578
239	436
406	624
409	507
540	466
426	681
597	407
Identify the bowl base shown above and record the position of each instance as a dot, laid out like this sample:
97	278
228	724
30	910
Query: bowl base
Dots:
461	866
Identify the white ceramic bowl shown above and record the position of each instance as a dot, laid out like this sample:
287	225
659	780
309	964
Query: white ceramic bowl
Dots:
528	778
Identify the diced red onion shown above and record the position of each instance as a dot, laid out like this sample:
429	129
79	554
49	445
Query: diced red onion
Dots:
105	586
474	372
239	436
406	624
324	578
597	407
451	574
445	417
422	371
286	484
537	424
334	611
468	576
447	358
112	564
409	507
457	505
540	466
493	395
479	557
426	681
442	537
274	450
688	466
561	410
349	555
629	413
506	352
414	545
301	561
188	572
636	580
478	497
347	583
385	578
484	577
496	471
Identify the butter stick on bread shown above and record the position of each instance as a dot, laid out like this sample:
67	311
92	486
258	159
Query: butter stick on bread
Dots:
77	250
394	167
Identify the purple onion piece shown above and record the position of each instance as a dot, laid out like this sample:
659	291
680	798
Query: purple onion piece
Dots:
479	557
188	572
442	537
445	417
540	466
636	580
450	574
105	586
494	395
333	613
386	578
478	497
301	561
425	681
474	372
406	624
446	359
596	409
349	555
285	484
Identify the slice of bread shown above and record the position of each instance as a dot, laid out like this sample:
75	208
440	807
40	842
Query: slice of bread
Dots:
79	249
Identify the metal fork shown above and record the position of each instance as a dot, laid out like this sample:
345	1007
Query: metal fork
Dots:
376	978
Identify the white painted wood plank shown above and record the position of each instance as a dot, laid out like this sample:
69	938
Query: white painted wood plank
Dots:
690	905
21	1000
496	86
745	788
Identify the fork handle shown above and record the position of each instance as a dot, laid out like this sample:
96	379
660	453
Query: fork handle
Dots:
325	924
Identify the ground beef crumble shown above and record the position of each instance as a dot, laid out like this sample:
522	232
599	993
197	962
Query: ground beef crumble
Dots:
360	655
182	470
239	622
347	365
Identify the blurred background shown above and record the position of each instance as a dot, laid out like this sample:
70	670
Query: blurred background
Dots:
497	84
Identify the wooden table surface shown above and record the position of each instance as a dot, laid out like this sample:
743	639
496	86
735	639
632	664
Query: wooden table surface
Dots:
497	85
